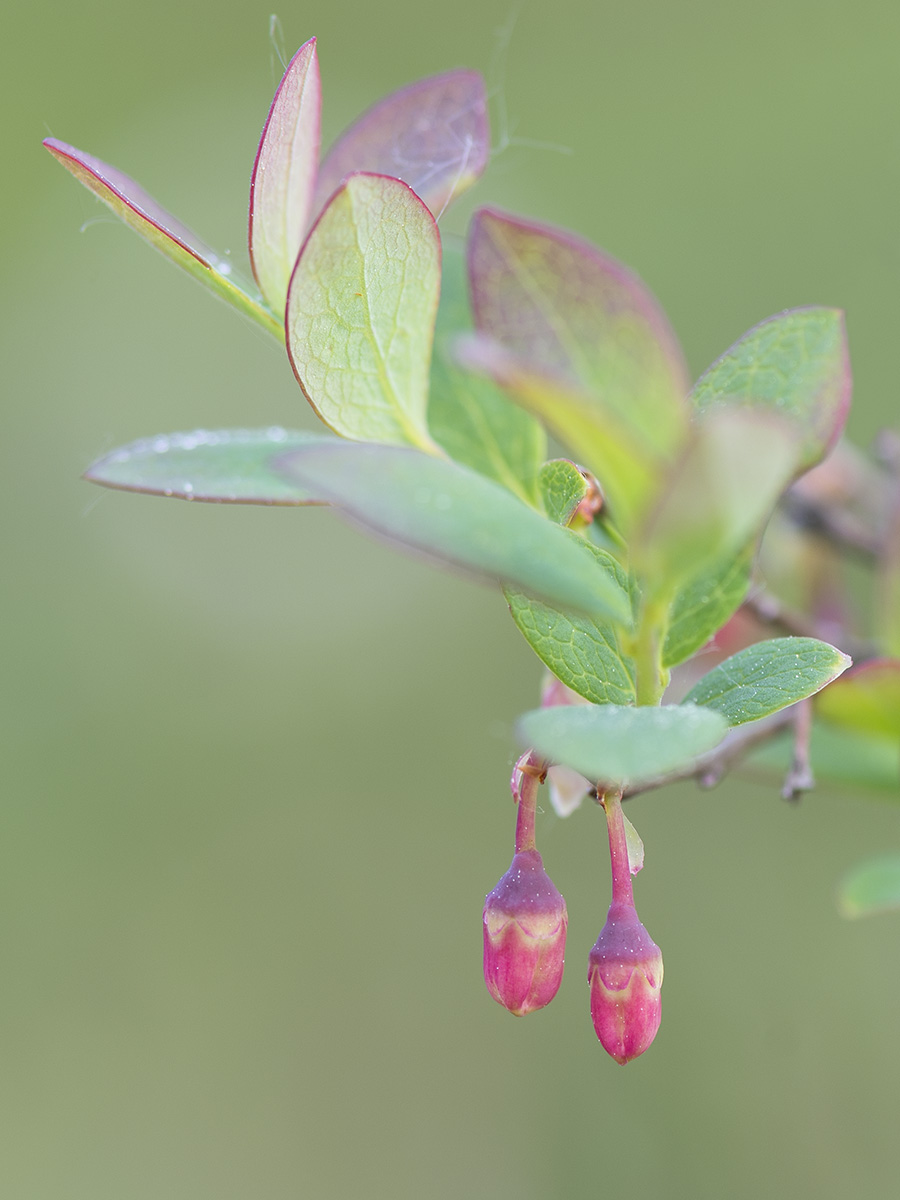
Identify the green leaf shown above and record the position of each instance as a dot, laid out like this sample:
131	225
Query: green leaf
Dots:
634	846
716	497
619	746
468	416
704	603
851	760
284	175
219	466
795	363
433	135
584	654
871	887
361	310
866	699
767	677
155	225
580	341
563	487
454	515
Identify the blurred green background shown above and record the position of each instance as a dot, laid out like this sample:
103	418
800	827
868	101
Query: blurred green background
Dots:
255	767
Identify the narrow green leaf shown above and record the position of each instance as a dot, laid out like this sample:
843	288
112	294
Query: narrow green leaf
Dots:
361	310
795	363
704	603
284	176
432	134
871	887
155	225
220	466
454	515
584	653
470	418
866	699
838	756
580	341
767	677
635	847
717	495
563	487
618	746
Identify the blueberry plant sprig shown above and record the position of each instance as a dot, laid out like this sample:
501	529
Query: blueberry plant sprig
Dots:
439	374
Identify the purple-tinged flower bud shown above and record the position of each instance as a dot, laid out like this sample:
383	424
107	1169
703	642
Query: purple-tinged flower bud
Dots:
525	922
625	971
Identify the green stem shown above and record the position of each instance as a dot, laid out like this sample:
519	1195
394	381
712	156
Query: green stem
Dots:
647	652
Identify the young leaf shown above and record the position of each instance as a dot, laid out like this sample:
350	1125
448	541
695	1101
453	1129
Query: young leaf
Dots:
866	699
617	746
454	515
563	487
580	341
141	212
704	604
468	416
796	363
716	496
284	176
361	309
582	652
220	466
768	676
433	135
871	887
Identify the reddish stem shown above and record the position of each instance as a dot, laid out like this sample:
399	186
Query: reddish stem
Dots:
527	776
622	891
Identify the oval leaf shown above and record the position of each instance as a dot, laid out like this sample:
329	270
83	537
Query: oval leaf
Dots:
219	466
361	310
583	653
284	176
704	604
866	699
871	887
141	212
621	746
579	340
433	135
767	677
454	515
796	363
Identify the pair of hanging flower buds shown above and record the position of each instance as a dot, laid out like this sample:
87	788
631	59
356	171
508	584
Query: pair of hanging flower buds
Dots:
525	921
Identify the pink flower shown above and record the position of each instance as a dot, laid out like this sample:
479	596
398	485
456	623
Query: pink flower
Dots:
525	922
625	973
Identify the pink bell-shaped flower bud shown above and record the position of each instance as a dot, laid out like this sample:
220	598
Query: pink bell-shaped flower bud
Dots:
625	973
524	923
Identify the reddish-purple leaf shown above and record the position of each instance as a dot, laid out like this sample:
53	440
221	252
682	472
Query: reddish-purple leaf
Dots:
578	339
284	175
136	208
433	135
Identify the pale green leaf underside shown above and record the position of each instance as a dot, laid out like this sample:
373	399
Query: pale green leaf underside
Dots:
219	466
583	653
617	746
468	416
166	233
767	677
871	887
454	515
361	310
704	604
